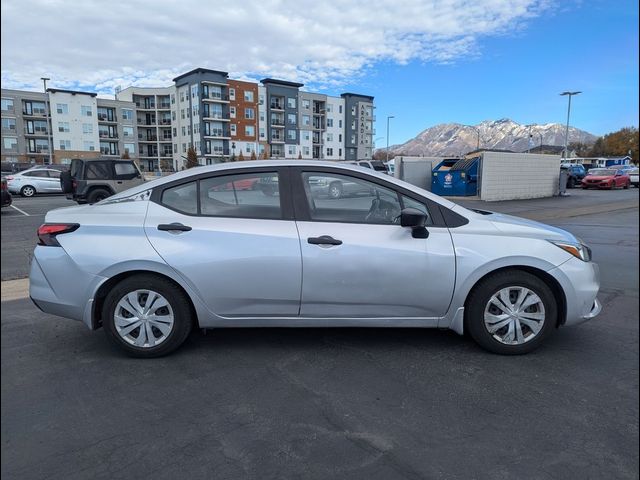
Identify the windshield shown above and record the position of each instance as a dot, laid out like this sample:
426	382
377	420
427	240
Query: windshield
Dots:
602	172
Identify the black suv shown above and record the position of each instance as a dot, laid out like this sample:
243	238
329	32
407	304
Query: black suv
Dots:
92	180
575	174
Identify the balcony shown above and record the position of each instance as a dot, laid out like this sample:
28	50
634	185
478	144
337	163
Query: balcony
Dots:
216	97
165	121
148	138
146	106
164	106
217	133
106	135
219	152
37	133
35	113
214	116
146	122
277	123
277	138
103	117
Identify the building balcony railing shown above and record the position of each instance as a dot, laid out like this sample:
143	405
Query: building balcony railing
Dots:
106	135
37	133
148	138
145	106
221	152
216	97
33	113
277	139
164	106
277	106
102	117
216	115
165	121
145	122
217	133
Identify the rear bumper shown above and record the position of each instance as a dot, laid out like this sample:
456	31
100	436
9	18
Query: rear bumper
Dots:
57	286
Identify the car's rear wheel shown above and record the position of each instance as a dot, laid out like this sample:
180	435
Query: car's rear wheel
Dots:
147	316
27	191
97	195
511	312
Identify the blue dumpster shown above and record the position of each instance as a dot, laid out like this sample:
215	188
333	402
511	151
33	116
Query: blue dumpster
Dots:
456	177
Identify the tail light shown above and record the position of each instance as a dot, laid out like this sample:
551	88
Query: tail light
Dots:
4	185
48	232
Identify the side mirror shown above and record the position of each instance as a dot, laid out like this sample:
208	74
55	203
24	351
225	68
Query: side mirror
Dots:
414	219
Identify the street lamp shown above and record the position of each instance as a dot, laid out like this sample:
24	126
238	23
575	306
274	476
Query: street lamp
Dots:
50	122
233	147
566	132
388	118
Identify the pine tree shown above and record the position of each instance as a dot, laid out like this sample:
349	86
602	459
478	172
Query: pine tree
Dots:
253	155
192	158
240	157
125	155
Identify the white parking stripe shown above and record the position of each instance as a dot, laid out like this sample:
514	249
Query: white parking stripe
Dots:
21	211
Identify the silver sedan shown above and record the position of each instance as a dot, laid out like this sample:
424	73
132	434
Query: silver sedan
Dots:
34	180
199	249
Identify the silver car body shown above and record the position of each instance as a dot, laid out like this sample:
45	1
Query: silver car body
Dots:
44	180
242	272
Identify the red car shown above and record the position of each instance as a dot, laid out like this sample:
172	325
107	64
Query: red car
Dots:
606	178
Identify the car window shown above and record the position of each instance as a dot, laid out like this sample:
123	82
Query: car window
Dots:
183	198
54	173
125	170
98	171
342	198
364	164
252	195
411	203
36	173
76	168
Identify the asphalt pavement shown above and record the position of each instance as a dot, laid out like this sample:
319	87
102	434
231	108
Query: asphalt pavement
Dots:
332	403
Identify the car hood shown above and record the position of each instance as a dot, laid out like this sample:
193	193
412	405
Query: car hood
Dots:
599	177
523	227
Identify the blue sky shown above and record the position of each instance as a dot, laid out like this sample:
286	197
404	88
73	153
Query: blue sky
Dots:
592	47
425	61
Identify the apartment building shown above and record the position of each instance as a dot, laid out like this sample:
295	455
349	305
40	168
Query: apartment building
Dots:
77	125
221	118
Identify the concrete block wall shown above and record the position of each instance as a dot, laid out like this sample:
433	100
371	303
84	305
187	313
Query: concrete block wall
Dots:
416	170
515	176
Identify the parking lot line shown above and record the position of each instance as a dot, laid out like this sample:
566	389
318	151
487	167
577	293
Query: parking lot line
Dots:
21	211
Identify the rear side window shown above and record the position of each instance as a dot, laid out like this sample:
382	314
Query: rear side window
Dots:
54	173
76	168
253	195
36	173
183	198
125	170
98	171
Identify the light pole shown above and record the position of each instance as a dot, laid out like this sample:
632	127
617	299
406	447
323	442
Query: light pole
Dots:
388	118
49	121
566	132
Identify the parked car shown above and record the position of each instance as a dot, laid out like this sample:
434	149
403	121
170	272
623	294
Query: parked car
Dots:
633	177
377	165
575	174
33	181
337	187
93	180
606	178
6	196
149	264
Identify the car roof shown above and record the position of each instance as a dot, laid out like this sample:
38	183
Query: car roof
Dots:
249	164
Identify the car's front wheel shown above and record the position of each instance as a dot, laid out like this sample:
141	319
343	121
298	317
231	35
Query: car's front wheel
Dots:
97	195
511	312
147	316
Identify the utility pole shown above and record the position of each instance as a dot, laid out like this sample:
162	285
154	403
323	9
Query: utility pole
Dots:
566	132
388	118
49	121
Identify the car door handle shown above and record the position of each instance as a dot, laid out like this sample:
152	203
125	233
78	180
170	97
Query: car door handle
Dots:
324	240
119	181
173	227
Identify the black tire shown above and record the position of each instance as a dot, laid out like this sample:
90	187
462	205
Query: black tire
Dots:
626	186
335	190
97	195
28	191
183	318
478	300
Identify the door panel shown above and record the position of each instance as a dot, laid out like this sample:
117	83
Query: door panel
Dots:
377	271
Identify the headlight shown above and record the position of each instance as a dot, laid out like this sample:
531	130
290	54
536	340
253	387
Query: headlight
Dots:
577	249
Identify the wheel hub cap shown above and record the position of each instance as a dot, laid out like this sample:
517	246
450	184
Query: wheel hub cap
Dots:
514	315
143	318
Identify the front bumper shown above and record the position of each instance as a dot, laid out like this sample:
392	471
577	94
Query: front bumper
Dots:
580	282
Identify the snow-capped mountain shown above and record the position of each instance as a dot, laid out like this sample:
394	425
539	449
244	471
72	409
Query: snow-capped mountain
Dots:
505	134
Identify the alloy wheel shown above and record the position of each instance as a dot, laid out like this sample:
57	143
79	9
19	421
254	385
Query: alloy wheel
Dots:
143	318
514	315
28	191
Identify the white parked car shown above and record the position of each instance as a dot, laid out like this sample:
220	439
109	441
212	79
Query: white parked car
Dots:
34	180
633	175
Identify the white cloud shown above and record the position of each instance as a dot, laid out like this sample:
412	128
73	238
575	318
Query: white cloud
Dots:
100	45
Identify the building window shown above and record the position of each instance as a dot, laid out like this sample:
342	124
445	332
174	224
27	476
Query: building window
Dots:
195	110
62	108
233	129
261	99
339	108
232	93
184	148
65	144
353	124
173	115
182	113
339	123
87	128
353	110
63	126
129	148
7	104
340	137
353	139
291	134
329	108
306	104
306	135
291	102
330	152
10	143
89	146
232	112
291	118
175	147
184	131
292	150
127	131
194	91
189	129
248	96
249	113
329	122
340	152
249	131
8	123
305	151
262	133
196	128
127	114
182	96
306	120
85	111
173	99
329	137
175	132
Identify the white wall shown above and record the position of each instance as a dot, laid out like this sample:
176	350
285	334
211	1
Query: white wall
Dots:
514	176
335	112
75	119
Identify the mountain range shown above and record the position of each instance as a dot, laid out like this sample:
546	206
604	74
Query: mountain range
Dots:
455	139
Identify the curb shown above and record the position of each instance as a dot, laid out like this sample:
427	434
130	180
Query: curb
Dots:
15	289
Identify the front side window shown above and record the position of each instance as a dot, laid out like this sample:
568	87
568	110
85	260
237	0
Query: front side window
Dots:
98	171
345	199
125	170
250	195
